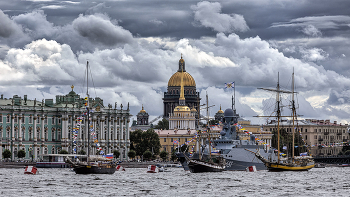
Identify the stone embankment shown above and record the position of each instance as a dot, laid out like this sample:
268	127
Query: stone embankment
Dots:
5	164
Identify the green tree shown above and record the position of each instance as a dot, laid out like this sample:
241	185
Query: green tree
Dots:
131	154
163	155
116	154
135	140
82	152
149	141
63	152
21	153
163	124
6	154
147	155
173	156
213	122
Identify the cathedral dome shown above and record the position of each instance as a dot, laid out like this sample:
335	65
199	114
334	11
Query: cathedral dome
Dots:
175	80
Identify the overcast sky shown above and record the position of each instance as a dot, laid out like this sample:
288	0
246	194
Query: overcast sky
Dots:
133	48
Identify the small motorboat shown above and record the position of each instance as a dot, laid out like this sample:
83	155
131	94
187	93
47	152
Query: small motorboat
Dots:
30	170
152	169
251	169
120	168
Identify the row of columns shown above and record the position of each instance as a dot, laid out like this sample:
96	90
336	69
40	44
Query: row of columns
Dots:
123	135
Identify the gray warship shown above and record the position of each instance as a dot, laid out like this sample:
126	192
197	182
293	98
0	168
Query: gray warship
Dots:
235	151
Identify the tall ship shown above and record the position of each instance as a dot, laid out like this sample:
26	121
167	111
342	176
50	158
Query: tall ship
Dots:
274	161
93	165
208	162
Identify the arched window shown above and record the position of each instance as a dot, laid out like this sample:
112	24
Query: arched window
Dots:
53	150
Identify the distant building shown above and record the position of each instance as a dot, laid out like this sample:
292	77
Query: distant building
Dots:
45	127
141	122
321	136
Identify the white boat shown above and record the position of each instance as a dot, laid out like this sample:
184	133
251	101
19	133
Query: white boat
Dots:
152	169
30	170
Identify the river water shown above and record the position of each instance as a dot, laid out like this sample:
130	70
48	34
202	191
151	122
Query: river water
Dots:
330	181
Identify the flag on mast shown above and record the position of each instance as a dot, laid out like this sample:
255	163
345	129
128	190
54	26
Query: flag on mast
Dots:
230	85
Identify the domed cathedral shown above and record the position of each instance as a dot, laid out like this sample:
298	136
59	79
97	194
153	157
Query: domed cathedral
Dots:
172	96
142	117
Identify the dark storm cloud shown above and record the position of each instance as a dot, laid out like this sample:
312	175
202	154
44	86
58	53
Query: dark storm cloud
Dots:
101	30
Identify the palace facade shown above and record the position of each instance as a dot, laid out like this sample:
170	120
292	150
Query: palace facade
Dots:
45	127
322	137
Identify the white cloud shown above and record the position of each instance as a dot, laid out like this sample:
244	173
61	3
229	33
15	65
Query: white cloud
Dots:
209	15
313	54
311	30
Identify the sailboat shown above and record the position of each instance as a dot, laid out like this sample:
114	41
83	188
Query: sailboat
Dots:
210	163
93	165
302	163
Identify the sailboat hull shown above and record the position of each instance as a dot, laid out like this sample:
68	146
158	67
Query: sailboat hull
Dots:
85	169
199	166
279	167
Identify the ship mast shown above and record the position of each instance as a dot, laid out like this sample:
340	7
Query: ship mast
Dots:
278	111
294	114
87	107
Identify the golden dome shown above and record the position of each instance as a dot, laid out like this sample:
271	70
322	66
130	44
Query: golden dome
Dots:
181	108
220	111
175	80
193	109
142	110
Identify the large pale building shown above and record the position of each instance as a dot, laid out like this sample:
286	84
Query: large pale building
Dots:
322	137
45	127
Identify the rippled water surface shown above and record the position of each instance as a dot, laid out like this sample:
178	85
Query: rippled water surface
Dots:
136	182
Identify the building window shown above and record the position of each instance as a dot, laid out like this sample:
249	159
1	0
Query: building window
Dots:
171	140
38	120
59	121
0	118
53	151
45	120
53	120
315	137
15	119
8	118
30	120
23	119
164	139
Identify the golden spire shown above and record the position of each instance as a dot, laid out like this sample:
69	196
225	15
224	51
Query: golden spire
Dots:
72	87
182	91
142	110
220	111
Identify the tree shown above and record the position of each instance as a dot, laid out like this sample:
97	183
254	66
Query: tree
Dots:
163	124
6	154
82	152
173	156
147	154
147	140
21	153
131	154
163	155
63	152
135	139
116	154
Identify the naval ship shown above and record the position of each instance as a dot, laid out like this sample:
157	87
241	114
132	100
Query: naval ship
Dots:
236	152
